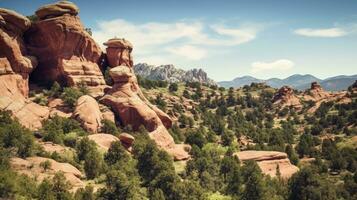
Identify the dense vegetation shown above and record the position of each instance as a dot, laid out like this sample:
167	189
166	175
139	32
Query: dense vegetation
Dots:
216	123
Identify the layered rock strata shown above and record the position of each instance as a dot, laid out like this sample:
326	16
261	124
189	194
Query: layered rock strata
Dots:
128	102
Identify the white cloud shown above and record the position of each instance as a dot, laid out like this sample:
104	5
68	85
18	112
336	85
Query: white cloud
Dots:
189	51
282	65
329	32
189	40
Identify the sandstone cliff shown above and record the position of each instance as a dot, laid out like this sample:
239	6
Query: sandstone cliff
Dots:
56	47
66	52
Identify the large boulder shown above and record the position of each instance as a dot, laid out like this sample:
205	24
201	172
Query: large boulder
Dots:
87	112
31	166
15	67
103	141
128	102
269	161
58	9
126	138
67	53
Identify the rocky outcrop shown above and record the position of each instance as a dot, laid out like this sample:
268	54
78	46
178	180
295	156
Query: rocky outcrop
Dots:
126	138
66	52
316	93
127	101
87	112
31	167
171	74
103	140
119	52
15	67
268	162
51	147
285	97
59	108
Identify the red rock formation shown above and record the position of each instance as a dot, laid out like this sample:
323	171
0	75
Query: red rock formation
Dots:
15	66
127	100
88	114
126	138
31	166
268	162
103	140
119	52
286	97
316	93
66	52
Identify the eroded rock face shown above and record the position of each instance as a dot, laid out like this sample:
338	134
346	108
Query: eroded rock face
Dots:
58	9
67	53
285	97
15	67
268	162
127	101
316	93
87	112
119	52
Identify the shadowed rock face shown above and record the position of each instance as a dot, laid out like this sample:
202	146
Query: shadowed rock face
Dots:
66	52
15	67
128	102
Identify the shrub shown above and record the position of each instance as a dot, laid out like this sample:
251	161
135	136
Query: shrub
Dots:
45	165
70	96
55	90
173	87
109	127
107	78
41	100
55	129
13	135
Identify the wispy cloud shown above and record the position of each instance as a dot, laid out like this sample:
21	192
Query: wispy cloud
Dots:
329	32
190	40
282	65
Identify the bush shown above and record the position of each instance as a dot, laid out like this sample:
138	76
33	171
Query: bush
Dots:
71	95
55	90
109	127
173	87
55	129
13	135
45	165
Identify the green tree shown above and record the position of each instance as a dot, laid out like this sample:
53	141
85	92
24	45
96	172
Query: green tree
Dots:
109	127
173	87
118	187
85	193
116	154
93	164
254	188
307	184
84	146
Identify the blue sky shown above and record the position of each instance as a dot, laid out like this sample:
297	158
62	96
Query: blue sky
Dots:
266	38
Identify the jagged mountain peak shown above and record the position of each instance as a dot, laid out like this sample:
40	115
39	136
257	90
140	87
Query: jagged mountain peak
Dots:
172	74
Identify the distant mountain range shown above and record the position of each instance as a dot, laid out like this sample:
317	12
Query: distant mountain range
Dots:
172	74
297	81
